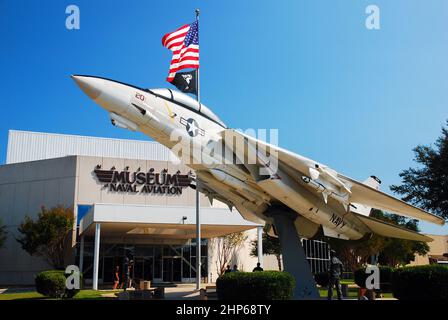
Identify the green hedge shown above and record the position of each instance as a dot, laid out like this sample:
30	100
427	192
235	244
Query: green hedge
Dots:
385	278
262	285
428	282
51	284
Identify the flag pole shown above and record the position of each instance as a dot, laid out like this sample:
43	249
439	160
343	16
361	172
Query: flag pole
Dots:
198	96
198	221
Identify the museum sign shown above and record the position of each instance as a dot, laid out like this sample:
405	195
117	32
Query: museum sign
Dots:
151	182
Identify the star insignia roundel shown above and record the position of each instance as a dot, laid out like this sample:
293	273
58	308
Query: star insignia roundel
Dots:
192	127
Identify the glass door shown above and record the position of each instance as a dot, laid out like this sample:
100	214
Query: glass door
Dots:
177	269
108	270
157	264
148	268
167	269
172	269
138	269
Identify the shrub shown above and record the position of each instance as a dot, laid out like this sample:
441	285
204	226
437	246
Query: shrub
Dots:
51	284
322	279
262	285
428	282
385	278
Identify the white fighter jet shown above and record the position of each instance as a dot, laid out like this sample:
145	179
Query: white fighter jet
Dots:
324	201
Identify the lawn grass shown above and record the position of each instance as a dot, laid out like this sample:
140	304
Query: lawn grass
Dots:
92	294
352	293
21	296
97	295
347	281
33	295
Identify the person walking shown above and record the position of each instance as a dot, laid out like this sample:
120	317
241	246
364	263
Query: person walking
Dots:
258	267
335	268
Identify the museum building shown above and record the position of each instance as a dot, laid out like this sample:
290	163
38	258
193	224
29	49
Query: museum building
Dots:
129	199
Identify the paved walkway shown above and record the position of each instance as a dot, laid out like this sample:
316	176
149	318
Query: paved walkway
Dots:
185	291
179	292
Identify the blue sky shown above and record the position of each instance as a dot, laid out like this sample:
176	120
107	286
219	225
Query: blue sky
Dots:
357	100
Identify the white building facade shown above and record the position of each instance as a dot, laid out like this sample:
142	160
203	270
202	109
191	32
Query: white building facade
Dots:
130	200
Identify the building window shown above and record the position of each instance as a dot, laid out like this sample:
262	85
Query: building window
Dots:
167	263
317	253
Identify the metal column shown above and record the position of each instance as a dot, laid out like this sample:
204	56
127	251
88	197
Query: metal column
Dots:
81	254
198	238
198	220
209	263
260	245
96	255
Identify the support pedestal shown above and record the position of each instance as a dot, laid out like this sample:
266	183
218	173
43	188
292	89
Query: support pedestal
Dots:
294	258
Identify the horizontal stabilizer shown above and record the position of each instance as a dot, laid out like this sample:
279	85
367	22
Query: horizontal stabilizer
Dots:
386	229
371	197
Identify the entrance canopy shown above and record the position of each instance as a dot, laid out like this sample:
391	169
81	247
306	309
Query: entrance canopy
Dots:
160	222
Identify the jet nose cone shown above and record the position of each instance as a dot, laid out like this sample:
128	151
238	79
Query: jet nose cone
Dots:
87	84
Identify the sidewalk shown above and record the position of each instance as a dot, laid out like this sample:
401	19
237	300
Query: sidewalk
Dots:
180	292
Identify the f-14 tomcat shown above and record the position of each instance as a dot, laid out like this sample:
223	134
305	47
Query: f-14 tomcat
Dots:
321	200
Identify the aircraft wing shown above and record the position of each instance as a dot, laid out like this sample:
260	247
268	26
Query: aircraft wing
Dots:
359	192
386	229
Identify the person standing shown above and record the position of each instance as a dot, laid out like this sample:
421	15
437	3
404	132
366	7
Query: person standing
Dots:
335	268
235	268
129	274
116	277
126	273
228	270
258	267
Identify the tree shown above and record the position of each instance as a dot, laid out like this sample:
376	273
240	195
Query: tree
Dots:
49	235
427	185
398	252
3	234
354	254
271	245
225	248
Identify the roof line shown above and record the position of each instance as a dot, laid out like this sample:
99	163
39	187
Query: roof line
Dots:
82	136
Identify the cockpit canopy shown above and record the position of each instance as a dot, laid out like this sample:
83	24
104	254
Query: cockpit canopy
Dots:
188	102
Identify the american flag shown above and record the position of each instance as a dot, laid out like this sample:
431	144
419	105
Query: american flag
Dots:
184	42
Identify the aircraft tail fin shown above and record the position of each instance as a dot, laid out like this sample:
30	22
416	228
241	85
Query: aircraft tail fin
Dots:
364	210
